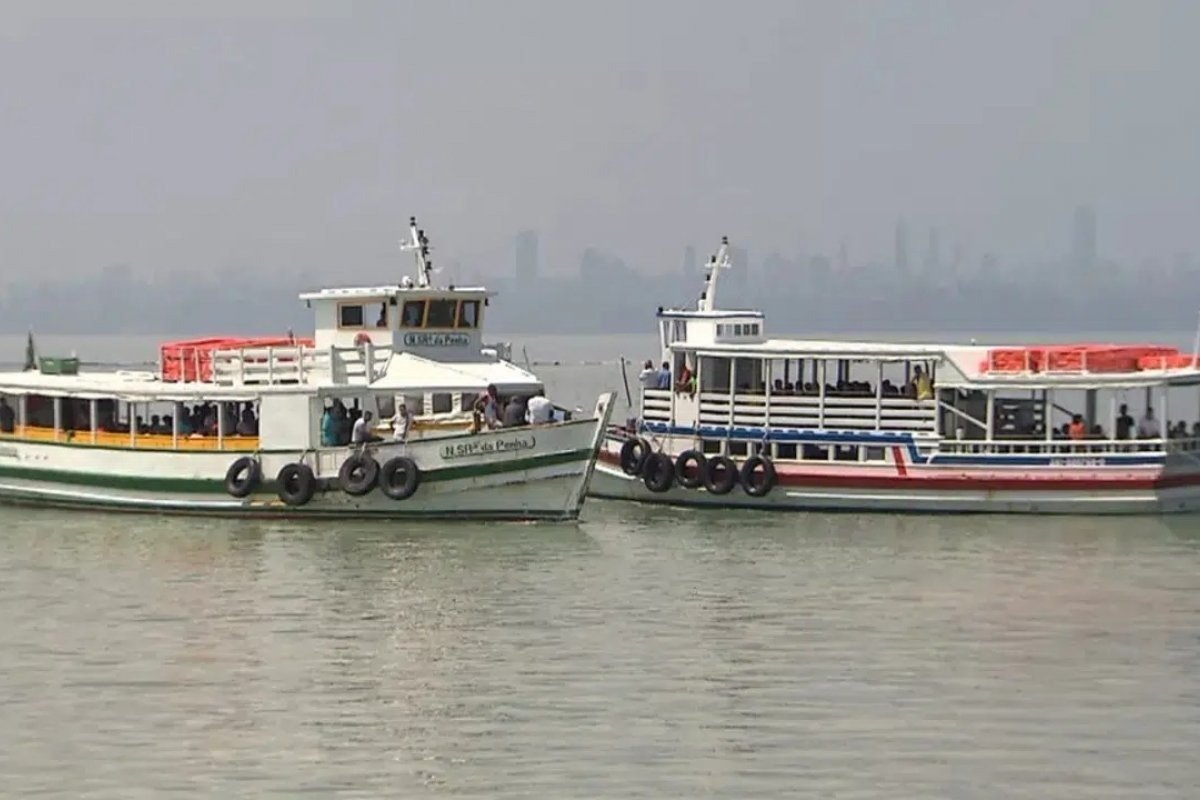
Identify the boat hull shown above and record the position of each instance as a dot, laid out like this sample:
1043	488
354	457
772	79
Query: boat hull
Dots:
1152	489
531	473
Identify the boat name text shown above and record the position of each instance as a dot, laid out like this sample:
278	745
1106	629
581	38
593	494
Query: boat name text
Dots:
436	340
1077	462
488	446
9	452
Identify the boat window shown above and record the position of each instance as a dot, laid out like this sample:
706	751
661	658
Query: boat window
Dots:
441	314
738	448
381	321
468	314
413	313
874	454
415	403
785	451
8	413
679	334
710	446
714	374
442	403
350	315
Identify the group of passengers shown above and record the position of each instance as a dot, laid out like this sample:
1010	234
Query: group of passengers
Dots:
199	420
488	411
1126	428
919	388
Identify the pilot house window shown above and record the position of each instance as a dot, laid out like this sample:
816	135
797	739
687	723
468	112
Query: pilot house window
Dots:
441	314
468	314
350	316
413	314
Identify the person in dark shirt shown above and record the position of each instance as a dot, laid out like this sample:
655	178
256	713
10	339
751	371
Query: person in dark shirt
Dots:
514	413
7	417
1124	423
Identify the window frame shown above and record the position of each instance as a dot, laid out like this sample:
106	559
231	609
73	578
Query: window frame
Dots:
362	310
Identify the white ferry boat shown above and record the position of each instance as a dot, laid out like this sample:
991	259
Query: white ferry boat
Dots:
741	420
263	427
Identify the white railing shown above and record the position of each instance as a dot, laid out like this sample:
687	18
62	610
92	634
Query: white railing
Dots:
799	411
297	363
1068	448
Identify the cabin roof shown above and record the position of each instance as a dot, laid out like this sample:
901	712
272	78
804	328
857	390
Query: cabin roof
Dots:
410	372
966	359
394	290
691	313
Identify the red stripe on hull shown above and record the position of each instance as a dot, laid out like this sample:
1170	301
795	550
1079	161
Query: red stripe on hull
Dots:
914	481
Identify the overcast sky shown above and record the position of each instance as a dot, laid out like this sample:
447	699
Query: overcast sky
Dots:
296	134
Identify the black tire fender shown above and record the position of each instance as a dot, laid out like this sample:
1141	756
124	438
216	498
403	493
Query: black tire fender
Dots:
658	473
243	477
295	484
720	475
633	456
358	475
689	469
399	478
762	486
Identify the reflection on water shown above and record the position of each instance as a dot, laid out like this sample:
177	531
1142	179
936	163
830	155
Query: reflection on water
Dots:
644	652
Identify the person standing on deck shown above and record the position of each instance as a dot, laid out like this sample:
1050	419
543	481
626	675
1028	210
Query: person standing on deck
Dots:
362	432
1124	423
401	422
922	386
1148	426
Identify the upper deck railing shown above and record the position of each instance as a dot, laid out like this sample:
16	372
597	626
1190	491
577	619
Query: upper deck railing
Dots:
267	366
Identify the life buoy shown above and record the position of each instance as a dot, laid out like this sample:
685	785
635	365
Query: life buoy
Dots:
633	456
361	339
658	473
720	475
243	477
399	478
295	484
358	474
761	486
689	476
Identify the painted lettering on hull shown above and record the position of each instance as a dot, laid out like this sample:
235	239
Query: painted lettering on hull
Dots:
484	447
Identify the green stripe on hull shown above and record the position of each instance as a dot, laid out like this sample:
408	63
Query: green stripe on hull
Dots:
284	512
141	483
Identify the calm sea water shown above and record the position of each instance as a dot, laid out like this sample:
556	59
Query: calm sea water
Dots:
640	653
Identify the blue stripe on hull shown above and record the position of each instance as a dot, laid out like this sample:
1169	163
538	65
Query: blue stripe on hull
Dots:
904	440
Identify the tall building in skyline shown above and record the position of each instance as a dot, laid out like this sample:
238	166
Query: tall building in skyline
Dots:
527	255
901	254
1083	239
689	261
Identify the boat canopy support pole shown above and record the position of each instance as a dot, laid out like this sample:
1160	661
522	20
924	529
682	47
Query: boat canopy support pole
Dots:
879	395
175	427
92	410
964	415
820	393
23	412
57	418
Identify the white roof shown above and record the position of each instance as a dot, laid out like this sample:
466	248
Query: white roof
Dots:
966	359
129	385
394	290
409	372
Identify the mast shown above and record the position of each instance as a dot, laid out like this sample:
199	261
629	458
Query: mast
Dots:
419	244
708	298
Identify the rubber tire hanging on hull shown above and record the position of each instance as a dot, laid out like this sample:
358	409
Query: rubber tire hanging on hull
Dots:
763	486
411	478
695	478
720	475
243	477
358	475
296	484
658	473
633	456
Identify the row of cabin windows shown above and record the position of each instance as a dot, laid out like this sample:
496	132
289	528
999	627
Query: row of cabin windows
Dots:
738	328
795	452
462	314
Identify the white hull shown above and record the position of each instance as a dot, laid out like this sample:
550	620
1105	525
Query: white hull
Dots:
529	473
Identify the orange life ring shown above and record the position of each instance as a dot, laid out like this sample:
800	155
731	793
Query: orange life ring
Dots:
361	339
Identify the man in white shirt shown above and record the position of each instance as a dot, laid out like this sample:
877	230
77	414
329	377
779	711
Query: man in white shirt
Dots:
401	421
539	410
1148	426
362	433
648	376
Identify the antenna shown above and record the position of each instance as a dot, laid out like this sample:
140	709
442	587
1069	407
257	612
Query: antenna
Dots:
720	261
419	244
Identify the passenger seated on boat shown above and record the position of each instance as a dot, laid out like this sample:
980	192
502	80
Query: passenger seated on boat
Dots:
514	412
1077	429
1097	432
685	385
486	410
1148	426
328	427
362	433
922	386
382	321
155	424
540	410
1124	423
248	424
777	387
7	417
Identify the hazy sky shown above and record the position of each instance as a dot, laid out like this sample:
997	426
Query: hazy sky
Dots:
192	136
